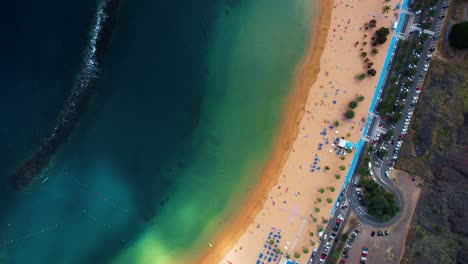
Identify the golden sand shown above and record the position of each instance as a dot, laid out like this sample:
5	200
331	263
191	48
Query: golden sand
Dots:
287	192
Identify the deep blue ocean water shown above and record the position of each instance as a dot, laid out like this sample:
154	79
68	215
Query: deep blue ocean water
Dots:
186	105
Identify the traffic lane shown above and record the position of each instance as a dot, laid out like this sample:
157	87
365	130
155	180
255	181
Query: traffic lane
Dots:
338	235
329	229
400	124
361	212
327	232
412	92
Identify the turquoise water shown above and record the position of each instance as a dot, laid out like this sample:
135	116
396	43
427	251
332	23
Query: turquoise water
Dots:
184	115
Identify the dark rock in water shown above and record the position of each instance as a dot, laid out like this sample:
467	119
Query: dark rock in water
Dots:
76	102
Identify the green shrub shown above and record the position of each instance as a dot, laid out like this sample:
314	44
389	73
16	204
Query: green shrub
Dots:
322	190
297	255
364	171
337	176
332	189
305	250
361	76
342	167
319	200
345	237
317	209
353	104
380	203
350	114
272	242
311	233
439	229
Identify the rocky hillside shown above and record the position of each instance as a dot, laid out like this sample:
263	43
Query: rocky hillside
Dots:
436	150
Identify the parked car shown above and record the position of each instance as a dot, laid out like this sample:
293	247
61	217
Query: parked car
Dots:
363	256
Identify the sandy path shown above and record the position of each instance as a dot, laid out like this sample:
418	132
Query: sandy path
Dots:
286	195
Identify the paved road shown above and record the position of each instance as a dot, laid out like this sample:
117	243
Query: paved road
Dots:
340	211
381	167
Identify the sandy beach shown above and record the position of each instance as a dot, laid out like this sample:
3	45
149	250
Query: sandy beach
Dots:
301	181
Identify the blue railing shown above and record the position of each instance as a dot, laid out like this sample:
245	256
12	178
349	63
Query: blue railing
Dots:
378	88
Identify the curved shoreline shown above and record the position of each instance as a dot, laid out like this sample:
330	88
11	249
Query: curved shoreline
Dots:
305	76
34	165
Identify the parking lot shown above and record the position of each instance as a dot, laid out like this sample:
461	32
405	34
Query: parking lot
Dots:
387	248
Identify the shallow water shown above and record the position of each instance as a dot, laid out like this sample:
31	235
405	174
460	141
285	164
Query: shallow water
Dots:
182	120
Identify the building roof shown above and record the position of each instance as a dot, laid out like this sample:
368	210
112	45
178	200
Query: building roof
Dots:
343	143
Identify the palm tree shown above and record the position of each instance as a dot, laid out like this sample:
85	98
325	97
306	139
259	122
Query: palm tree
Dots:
386	9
